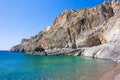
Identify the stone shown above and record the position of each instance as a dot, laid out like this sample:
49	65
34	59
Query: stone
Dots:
92	32
39	49
109	51
15	48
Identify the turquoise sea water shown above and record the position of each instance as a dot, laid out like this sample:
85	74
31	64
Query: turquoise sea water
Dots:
18	66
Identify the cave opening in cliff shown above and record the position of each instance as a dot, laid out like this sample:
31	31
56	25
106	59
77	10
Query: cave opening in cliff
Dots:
94	41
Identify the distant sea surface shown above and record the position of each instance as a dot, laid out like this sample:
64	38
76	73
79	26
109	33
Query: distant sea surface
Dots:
18	66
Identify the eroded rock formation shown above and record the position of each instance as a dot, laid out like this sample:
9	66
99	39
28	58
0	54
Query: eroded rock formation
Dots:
85	29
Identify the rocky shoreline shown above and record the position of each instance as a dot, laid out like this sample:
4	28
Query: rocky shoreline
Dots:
92	32
109	51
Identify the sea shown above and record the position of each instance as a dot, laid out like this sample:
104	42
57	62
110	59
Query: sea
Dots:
19	66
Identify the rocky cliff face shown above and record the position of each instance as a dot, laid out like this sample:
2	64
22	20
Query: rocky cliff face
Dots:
20	47
88	27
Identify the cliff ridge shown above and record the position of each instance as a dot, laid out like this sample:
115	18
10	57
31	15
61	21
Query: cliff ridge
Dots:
93	32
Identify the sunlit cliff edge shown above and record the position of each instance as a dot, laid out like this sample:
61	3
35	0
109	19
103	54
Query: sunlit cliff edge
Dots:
92	32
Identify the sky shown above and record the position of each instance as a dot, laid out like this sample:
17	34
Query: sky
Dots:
24	18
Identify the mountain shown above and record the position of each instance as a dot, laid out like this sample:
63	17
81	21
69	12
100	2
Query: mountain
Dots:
93	32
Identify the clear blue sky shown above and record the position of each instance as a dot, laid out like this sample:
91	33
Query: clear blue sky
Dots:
24	18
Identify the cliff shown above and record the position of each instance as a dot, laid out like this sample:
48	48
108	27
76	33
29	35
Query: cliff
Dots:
93	32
